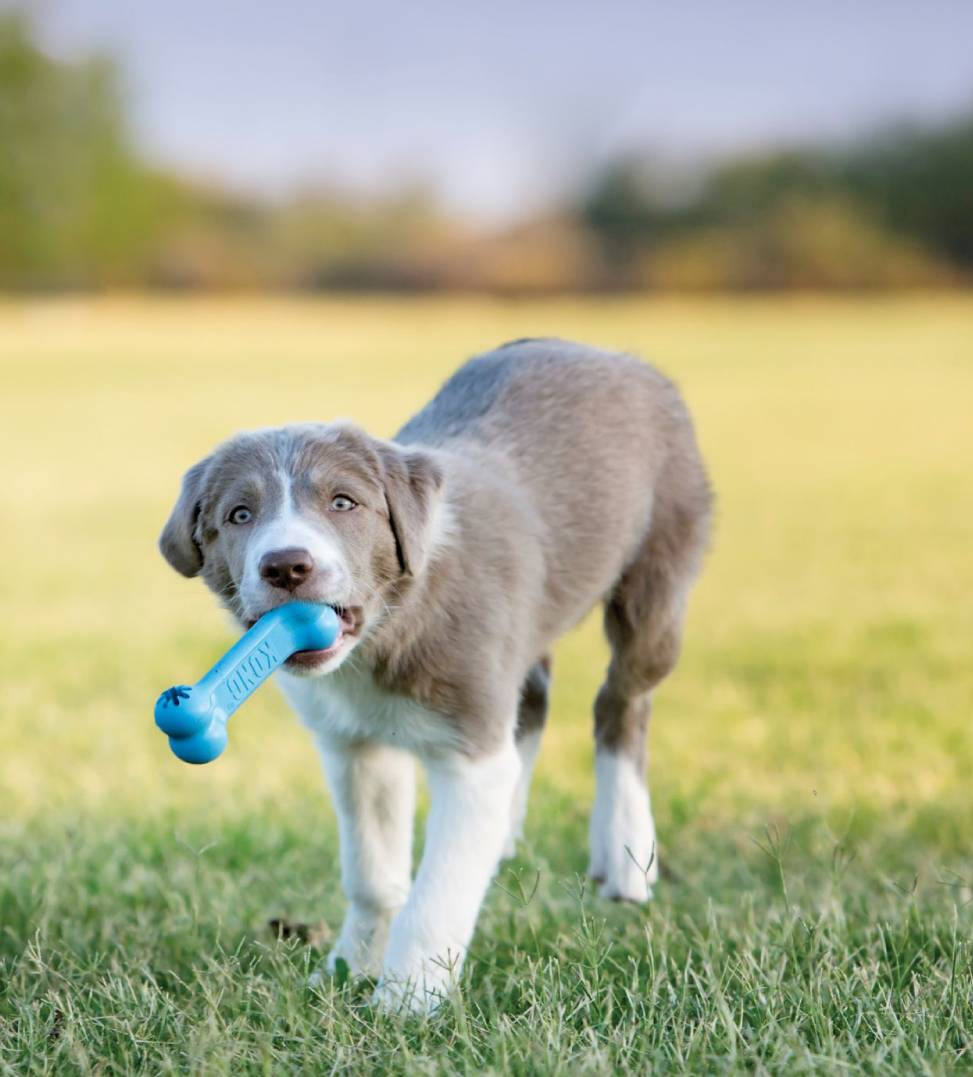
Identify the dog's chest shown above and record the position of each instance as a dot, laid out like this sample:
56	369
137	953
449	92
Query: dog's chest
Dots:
350	705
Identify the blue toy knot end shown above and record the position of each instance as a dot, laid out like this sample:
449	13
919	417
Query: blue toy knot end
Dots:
174	694
182	712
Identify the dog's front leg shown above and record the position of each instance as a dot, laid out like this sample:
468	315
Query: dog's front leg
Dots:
469	819
373	788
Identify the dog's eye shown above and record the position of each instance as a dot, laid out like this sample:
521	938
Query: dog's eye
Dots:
240	515
342	503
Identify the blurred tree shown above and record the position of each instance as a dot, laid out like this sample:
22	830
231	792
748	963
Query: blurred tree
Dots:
76	206
800	242
79	207
896	210
619	212
328	239
920	181
749	188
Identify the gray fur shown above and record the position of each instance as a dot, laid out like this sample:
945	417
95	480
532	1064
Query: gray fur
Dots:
570	476
545	478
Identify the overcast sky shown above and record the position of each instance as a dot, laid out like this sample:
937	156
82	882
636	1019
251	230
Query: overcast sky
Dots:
501	104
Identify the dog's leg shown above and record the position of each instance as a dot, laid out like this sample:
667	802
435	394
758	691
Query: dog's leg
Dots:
373	788
468	823
531	717
643	621
624	860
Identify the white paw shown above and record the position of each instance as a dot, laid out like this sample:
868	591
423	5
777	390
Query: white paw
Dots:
629	875
360	961
328	969
361	942
622	835
421	991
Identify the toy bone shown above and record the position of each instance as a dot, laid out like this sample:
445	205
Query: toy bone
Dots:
194	718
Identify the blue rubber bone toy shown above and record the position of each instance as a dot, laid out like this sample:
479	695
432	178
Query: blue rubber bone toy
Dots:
194	718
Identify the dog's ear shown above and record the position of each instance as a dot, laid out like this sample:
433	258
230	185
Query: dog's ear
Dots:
412	482
178	542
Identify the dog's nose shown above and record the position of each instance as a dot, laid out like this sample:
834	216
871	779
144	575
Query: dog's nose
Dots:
287	569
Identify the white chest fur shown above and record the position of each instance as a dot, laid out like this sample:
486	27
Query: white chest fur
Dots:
348	704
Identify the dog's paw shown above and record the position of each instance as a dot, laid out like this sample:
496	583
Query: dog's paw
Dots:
414	981
622	832
421	994
636	891
336	969
360	945
627	876
359	963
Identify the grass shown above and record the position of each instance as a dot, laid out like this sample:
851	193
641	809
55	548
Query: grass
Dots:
811	758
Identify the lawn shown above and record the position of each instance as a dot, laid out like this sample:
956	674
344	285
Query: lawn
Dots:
811	758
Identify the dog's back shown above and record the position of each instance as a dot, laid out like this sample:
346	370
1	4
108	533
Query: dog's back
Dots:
601	444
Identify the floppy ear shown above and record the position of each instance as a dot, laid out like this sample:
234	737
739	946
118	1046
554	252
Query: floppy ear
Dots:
412	481
178	541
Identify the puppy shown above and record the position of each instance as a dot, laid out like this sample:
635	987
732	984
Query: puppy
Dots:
543	478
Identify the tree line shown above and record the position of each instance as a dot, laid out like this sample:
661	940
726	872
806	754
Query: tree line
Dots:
80	208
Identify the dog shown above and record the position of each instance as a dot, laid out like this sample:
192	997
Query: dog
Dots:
544	478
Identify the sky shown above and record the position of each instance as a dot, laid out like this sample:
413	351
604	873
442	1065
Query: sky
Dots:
500	106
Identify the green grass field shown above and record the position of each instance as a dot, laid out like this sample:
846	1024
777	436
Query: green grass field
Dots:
811	757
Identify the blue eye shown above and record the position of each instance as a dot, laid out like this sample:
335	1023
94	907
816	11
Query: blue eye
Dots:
240	515
343	503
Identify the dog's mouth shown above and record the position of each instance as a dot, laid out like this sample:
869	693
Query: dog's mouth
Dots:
350	621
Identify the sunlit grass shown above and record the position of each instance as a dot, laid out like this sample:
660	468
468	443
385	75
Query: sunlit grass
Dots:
825	693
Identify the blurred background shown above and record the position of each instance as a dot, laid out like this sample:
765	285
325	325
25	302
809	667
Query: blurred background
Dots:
510	148
220	215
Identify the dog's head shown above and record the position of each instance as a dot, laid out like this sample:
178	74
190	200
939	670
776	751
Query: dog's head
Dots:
319	513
